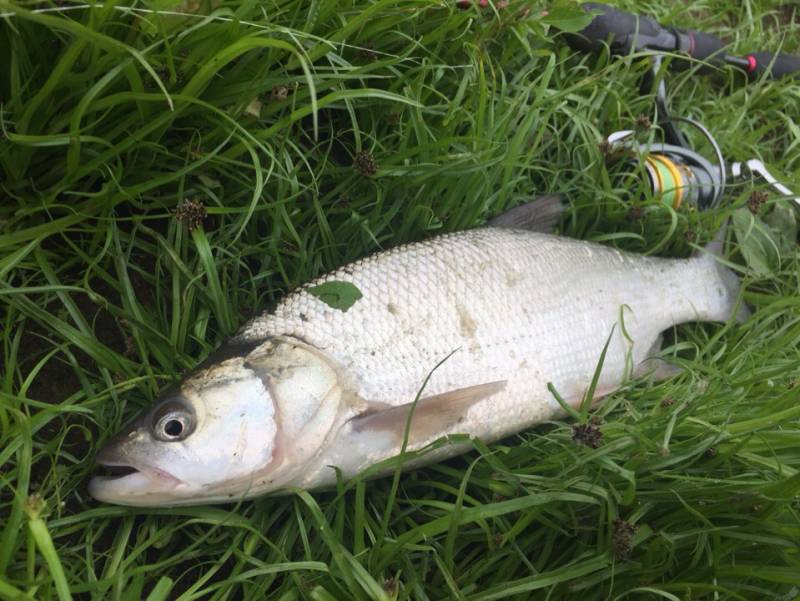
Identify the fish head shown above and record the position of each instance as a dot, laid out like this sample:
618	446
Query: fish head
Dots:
241	427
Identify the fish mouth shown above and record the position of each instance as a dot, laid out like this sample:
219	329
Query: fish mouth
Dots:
126	483
113	472
110	471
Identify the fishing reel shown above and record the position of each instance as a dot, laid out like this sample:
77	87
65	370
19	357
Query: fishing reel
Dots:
676	172
678	176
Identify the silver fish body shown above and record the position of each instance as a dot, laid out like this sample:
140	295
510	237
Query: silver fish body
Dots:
506	312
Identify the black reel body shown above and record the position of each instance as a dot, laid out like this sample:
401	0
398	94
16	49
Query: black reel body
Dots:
677	174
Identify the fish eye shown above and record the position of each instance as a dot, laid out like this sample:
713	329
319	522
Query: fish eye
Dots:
172	422
173	427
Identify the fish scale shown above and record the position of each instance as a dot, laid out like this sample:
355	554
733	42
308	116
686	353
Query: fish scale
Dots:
505	305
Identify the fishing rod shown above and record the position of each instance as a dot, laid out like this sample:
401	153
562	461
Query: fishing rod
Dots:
676	172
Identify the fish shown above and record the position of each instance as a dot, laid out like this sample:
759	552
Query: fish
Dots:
466	333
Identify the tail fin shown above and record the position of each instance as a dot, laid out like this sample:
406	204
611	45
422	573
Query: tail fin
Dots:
712	254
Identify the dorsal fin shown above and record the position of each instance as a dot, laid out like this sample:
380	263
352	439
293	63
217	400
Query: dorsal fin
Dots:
539	215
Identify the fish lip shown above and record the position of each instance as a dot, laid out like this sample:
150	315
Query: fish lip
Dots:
144	486
152	472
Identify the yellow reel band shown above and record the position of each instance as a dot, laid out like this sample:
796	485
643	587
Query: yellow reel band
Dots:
666	178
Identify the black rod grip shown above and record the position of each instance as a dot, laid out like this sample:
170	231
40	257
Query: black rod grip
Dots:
613	26
703	46
775	65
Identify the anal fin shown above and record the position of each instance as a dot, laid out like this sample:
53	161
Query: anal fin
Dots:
654	366
657	368
432	415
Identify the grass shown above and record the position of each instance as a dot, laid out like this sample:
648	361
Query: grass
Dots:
115	115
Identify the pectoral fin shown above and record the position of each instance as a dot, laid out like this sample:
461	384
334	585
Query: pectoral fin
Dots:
432	415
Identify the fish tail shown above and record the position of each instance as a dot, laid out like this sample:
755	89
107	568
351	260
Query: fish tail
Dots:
725	284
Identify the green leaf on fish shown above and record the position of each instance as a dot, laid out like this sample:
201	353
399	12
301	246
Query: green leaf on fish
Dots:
336	294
